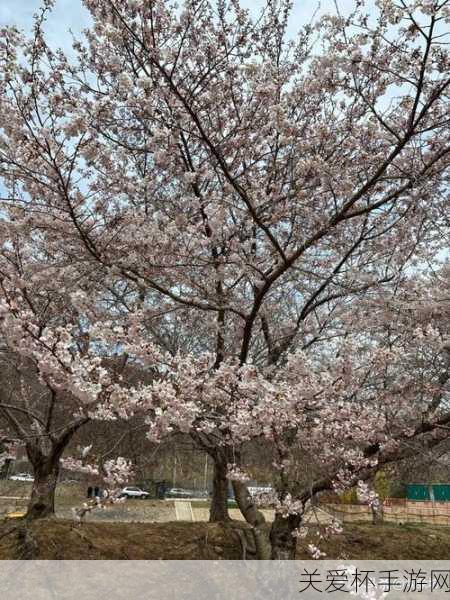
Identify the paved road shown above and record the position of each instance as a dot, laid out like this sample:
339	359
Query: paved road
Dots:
149	511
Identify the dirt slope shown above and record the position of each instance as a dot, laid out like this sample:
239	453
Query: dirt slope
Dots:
58	539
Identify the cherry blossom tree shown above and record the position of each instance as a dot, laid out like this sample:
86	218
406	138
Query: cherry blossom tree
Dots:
250	190
53	378
32	416
357	408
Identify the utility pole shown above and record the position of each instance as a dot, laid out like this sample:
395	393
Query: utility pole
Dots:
174	472
205	478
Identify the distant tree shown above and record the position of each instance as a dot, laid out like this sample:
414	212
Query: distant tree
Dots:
382	485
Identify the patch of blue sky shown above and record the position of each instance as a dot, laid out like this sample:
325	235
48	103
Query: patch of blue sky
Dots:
72	15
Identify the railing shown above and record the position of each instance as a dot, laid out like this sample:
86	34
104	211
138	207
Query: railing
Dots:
395	510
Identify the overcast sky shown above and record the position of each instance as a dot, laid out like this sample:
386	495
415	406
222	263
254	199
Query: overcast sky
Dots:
70	14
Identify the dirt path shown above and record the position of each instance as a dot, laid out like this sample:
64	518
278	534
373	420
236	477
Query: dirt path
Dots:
183	511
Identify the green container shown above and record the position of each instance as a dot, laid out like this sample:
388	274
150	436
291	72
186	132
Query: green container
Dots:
441	492
424	492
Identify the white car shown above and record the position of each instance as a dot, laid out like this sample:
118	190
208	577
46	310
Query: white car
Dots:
22	477
259	490
179	493
134	492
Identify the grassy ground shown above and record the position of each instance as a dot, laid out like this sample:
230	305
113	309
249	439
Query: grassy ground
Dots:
61	539
207	503
364	541
23	488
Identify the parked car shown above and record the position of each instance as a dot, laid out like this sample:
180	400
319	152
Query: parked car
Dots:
22	477
134	492
201	494
258	490
179	493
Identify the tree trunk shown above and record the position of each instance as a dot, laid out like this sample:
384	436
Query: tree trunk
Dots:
255	518
42	501
283	543
219	501
377	513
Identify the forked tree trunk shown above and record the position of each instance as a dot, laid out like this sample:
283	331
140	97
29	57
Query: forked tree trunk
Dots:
255	518
42	500
283	543
219	501
278	543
